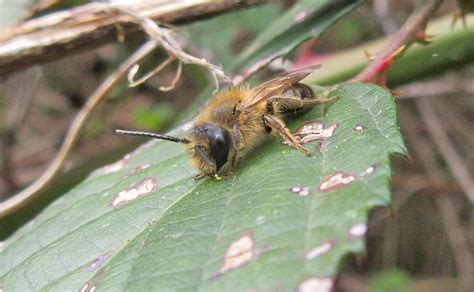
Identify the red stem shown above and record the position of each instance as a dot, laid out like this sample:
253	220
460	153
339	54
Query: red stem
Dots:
413	30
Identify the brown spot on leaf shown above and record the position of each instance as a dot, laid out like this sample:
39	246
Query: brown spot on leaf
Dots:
146	186
357	231
97	263
300	191
320	250
335	181
358	128
136	170
315	284
239	253
314	131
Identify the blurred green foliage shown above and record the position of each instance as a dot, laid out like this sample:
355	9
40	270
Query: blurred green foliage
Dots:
156	117
390	281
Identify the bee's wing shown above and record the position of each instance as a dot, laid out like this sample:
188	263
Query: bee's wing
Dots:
276	85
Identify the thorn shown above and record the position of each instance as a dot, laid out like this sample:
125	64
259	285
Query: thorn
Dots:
389	60
396	93
369	55
423	38
398	52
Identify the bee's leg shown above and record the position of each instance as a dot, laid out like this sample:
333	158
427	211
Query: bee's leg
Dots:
316	100
282	103
236	142
277	125
199	176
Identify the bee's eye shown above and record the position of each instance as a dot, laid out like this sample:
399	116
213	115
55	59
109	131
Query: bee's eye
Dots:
220	140
219	145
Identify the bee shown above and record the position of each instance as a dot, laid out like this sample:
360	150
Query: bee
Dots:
238	118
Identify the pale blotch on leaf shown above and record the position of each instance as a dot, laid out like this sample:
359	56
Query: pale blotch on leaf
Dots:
239	253
146	186
300	17
316	284
369	170
88	288
320	250
357	231
260	220
140	168
335	181
97	263
314	131
358	128
116	166
300	191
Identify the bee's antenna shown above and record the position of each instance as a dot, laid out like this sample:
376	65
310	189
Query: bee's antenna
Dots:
153	135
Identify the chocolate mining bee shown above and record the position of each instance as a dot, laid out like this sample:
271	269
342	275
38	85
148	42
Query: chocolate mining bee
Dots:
238	118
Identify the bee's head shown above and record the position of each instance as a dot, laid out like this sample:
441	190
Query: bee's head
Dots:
212	146
209	145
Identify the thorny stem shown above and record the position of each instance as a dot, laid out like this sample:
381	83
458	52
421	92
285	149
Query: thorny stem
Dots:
410	32
96	99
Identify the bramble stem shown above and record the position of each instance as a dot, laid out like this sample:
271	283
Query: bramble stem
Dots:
412	31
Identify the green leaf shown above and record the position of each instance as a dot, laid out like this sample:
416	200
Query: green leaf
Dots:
307	18
155	117
277	224
390	281
220	35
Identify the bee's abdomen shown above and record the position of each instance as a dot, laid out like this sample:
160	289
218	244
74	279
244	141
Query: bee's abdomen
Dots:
300	90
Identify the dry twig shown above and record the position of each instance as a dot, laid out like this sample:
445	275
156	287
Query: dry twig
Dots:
96	99
160	36
62	33
164	37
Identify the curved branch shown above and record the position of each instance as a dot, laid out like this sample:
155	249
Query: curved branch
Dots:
97	98
62	33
